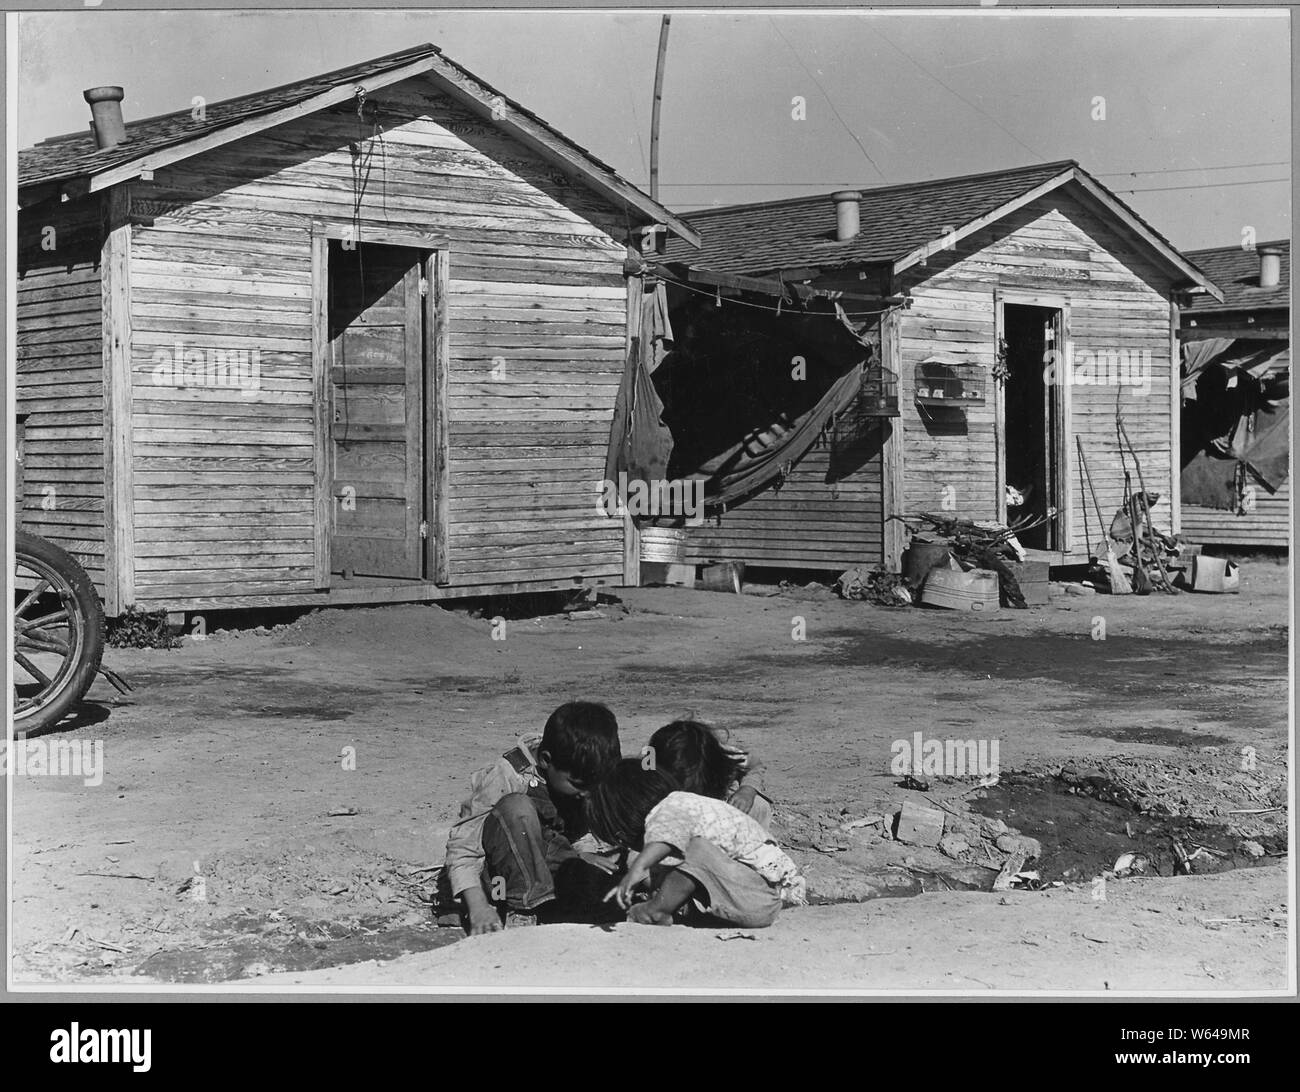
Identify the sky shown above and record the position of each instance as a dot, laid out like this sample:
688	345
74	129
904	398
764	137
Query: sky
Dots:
1191	109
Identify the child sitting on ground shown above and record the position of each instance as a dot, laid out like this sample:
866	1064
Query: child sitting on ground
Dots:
697	852
694	755
522	844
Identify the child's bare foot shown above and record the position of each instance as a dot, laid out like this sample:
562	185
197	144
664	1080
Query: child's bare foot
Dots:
645	913
671	896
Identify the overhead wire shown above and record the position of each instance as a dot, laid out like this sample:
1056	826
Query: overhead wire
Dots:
829	101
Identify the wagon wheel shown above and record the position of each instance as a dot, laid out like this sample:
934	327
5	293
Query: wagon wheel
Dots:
58	633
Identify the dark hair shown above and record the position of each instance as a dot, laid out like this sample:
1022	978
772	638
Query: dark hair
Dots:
691	753
581	738
617	807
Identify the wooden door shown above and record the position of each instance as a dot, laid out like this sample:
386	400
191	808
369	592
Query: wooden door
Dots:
376	412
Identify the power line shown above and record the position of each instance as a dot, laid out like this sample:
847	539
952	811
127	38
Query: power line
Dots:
1206	186
829	102
636	123
958	94
1189	170
842	181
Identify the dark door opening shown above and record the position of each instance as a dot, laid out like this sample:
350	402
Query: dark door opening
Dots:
1032	419
376	384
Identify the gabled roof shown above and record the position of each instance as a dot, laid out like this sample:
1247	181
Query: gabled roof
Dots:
73	163
1236	272
901	225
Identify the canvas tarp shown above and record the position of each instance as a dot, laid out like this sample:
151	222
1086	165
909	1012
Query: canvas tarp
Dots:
1236	421
640	444
1255	357
750	464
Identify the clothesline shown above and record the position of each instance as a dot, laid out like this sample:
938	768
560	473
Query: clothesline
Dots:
717	294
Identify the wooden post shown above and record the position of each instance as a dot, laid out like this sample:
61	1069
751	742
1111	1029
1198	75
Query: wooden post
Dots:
119	477
438	420
323	506
893	499
1175	421
631	533
999	415
1064	536
654	109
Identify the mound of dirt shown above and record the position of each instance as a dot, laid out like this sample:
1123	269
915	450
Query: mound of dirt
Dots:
414	625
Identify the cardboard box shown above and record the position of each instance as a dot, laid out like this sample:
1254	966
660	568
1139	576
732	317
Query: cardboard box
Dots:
1033	580
976	590
1213	574
918	825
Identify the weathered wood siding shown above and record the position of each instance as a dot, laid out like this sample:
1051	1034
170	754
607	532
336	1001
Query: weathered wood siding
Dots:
537	313
60	378
1117	299
809	523
1268	525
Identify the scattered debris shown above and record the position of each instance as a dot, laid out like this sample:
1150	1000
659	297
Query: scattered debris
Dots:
953	845
1019	844
1129	863
885	589
117	875
984	545
1009	871
865	821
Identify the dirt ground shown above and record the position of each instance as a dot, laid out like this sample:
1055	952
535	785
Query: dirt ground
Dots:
229	842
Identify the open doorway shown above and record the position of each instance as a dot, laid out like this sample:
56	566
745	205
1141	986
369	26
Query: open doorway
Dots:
377	347
1032	420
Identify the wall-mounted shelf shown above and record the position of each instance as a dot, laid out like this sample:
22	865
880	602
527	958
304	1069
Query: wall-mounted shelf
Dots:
944	381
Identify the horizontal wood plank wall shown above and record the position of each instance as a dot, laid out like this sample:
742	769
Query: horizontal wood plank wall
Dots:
809	523
60	378
1268	525
1118	300
536	313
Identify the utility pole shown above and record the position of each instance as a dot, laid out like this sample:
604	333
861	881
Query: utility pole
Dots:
654	113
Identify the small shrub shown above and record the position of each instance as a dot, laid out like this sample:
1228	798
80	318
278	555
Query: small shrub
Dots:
135	628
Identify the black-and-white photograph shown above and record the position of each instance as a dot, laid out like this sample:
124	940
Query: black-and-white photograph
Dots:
738	502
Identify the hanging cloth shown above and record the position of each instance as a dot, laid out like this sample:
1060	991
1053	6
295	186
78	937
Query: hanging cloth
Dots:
640	444
760	458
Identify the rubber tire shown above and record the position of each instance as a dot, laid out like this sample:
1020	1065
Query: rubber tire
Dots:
86	601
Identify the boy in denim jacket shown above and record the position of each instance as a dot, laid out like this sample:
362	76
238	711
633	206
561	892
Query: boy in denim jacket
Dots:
522	843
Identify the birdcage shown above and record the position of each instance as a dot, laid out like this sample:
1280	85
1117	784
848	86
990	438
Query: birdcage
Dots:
878	393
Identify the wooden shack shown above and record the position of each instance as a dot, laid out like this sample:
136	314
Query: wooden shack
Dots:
354	339
1018	311
1237	371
